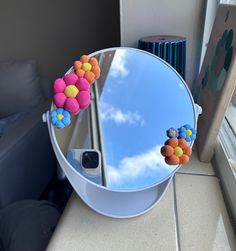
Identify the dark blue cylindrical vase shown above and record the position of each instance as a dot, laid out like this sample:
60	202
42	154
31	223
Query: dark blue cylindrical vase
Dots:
170	48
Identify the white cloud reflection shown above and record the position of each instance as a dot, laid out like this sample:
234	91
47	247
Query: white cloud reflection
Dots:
119	64
111	113
139	166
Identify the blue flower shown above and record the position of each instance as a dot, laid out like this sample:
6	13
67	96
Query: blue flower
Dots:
60	118
172	133
187	132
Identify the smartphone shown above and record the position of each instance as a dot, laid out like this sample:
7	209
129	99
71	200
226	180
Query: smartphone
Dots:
87	162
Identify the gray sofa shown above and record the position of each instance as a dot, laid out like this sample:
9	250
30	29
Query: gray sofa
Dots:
27	161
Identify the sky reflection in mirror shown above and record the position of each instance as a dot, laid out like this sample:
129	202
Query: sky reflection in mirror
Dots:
140	99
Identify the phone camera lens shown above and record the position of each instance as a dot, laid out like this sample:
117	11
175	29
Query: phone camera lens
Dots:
90	159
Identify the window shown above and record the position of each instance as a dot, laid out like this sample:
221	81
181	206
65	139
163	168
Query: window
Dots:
225	152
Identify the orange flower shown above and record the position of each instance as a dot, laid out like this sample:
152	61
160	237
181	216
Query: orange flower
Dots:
176	151
87	68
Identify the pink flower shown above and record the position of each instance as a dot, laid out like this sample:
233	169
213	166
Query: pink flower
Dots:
71	93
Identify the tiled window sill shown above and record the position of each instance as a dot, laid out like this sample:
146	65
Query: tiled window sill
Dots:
191	216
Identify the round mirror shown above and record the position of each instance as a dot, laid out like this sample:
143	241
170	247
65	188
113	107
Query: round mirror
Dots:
116	142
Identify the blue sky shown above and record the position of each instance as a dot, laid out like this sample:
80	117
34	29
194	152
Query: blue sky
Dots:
141	99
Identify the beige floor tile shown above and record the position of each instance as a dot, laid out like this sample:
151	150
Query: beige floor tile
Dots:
203	221
196	167
81	229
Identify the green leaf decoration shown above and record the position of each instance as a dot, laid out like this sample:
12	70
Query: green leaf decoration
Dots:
228	58
229	39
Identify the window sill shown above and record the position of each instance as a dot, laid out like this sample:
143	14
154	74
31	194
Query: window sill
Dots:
224	167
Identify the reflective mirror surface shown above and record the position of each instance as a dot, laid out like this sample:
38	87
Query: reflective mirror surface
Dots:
137	98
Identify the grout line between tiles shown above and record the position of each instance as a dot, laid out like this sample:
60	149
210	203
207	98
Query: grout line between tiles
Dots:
197	174
176	215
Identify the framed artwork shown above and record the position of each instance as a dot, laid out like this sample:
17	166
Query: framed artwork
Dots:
216	82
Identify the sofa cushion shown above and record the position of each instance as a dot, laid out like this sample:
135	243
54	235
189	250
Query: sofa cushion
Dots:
27	225
8	122
47	88
19	87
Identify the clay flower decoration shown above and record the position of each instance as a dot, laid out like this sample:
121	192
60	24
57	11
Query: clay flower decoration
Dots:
176	151
60	118
71	93
87	68
172	133
187	132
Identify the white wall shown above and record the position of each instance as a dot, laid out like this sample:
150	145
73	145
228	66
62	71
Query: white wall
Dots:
140	18
55	33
